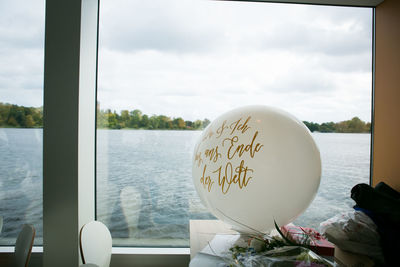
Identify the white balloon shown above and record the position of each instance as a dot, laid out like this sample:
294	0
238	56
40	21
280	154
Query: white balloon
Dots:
255	165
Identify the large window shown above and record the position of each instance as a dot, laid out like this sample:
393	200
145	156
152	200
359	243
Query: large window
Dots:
167	68
21	117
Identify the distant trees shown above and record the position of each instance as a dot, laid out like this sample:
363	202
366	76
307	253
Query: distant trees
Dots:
135	119
355	125
20	117
30	117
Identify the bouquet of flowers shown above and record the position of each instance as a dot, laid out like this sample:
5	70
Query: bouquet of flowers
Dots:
271	251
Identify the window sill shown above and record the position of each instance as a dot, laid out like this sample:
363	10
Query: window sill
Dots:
122	257
146	251
120	250
10	249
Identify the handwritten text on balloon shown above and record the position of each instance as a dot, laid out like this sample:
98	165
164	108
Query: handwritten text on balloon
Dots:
225	162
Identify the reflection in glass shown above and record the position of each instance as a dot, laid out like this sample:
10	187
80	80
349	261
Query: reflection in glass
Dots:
167	66
21	117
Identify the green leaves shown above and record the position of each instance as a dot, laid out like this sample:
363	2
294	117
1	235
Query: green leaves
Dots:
355	125
20	116
287	240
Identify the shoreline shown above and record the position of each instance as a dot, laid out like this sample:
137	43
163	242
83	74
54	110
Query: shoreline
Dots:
180	130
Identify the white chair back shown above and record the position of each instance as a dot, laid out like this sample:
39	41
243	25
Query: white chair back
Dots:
96	244
23	245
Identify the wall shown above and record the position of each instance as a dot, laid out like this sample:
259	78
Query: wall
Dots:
386	150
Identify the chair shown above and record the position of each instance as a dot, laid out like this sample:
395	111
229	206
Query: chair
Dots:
95	244
23	245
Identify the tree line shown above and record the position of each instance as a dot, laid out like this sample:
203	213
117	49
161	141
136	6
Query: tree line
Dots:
20	117
355	125
30	117
135	119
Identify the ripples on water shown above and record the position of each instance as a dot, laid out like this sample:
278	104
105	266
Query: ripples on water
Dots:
20	180
158	165
345	163
145	176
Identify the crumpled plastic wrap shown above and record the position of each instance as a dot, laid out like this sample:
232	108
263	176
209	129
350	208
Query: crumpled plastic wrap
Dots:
218	254
355	232
282	257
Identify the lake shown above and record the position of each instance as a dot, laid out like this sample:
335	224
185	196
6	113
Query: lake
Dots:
145	193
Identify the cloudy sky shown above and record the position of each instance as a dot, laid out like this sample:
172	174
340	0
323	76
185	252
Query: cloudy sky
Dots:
197	59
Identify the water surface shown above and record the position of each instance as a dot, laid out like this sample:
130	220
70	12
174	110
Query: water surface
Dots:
144	184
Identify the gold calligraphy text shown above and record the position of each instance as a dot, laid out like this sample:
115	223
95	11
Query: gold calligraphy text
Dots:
241	149
206	181
229	175
212	154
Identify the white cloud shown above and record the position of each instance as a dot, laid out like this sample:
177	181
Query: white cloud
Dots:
21	24
197	59
21	52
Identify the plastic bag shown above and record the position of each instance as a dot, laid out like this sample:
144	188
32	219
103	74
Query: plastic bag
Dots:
219	253
283	256
354	232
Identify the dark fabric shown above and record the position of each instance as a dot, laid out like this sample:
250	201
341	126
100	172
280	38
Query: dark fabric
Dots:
382	205
385	189
379	201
